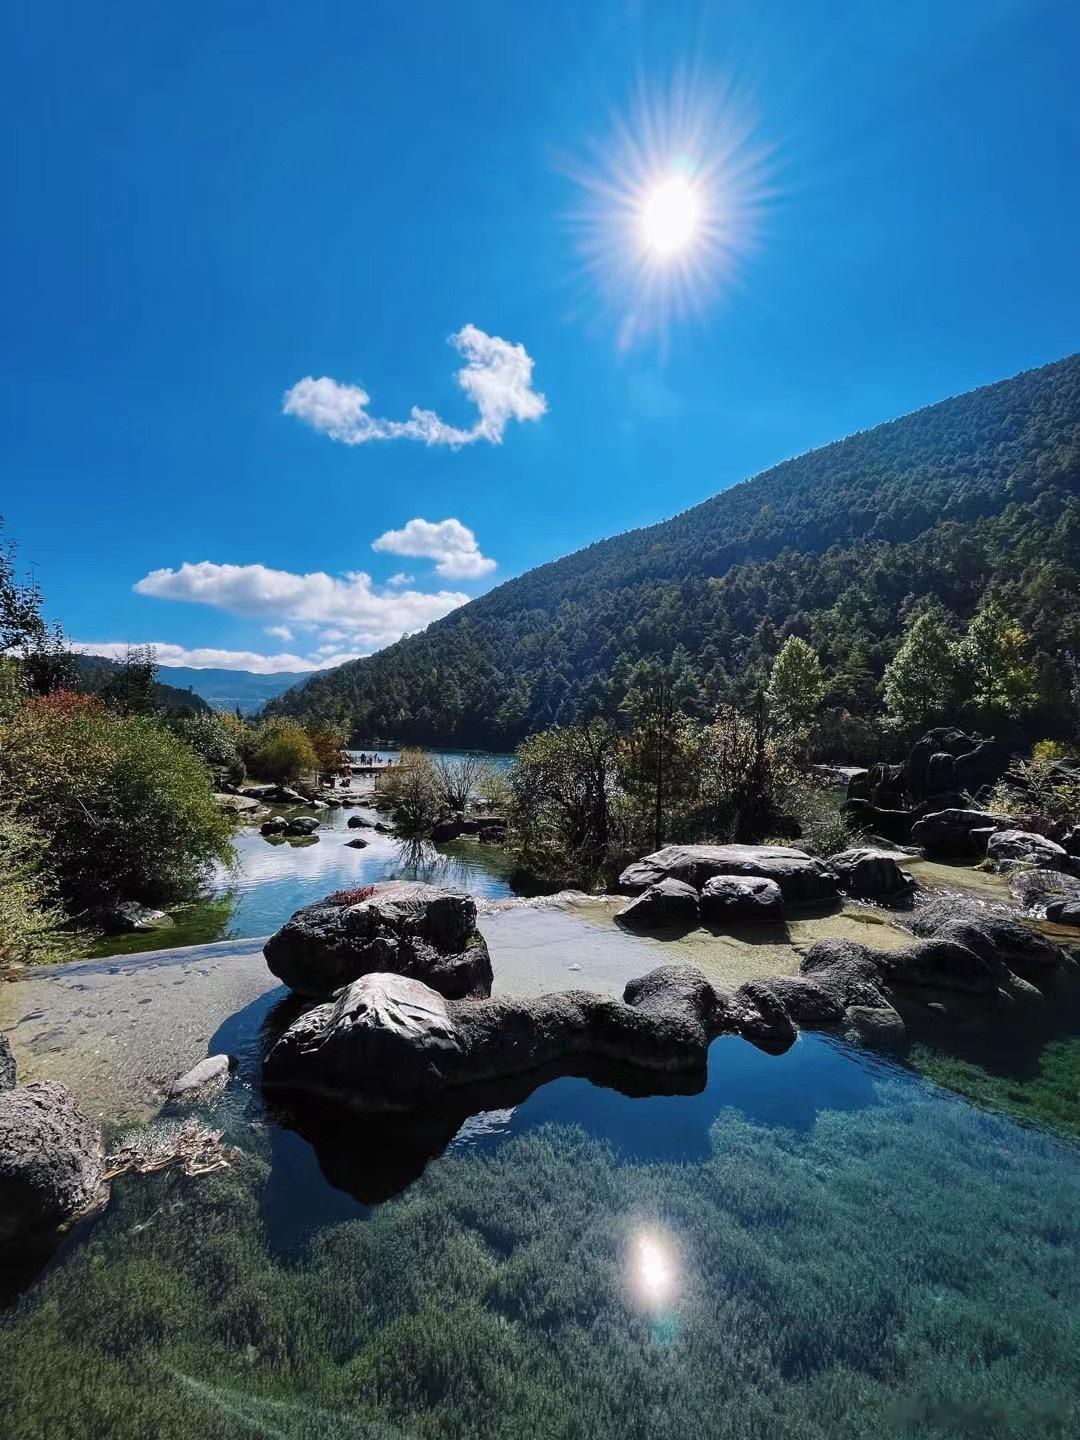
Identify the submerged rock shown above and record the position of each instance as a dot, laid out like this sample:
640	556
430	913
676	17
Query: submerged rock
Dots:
870	874
127	917
1036	890
201	1081
740	901
801	878
402	927
52	1164
669	902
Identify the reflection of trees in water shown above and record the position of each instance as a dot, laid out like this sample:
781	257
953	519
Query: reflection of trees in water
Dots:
419	860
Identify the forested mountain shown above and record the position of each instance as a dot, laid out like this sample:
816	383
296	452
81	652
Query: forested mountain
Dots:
94	672
977	493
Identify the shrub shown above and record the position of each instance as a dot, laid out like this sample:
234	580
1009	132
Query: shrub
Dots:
413	791
1043	795
125	807
214	742
30	925
280	750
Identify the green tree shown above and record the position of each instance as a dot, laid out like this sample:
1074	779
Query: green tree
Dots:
562	789
919	685
131	688
281	750
796	689
992	659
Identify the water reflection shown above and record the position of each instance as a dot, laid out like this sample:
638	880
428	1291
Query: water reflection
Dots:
652	1268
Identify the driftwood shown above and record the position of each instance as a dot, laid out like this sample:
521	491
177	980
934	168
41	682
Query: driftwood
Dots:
197	1150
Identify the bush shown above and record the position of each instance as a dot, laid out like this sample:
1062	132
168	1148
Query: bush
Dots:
280	750
30	926
215	743
413	791
1042	795
125	807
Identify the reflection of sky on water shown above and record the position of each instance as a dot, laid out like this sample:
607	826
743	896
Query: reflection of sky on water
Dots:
271	880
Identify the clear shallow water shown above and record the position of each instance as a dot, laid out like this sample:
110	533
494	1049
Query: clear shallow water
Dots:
818	1244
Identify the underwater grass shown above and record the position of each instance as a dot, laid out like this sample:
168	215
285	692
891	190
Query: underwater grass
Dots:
1048	1095
910	1268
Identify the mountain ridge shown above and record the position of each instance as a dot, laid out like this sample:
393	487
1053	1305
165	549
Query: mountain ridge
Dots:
874	517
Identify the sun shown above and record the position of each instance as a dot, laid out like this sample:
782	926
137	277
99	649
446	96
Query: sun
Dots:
671	214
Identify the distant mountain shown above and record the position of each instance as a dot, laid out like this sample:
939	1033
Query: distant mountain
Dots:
95	671
233	689
979	490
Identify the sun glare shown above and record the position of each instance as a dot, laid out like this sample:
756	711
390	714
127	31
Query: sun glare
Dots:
670	216
670	204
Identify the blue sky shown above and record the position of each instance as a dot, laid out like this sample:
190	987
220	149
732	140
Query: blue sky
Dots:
207	206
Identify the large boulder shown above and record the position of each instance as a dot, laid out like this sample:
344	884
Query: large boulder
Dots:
869	874
734	900
1010	848
801	878
1064	912
390	1043
302	825
1001	943
402	927
948	832
668	902
52	1164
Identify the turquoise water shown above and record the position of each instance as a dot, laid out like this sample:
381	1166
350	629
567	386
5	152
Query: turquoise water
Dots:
815	1245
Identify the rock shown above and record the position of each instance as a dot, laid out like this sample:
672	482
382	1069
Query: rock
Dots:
445	830
800	877
201	1081
52	1164
7	1064
1035	890
357	844
891	824
1008	848
390	1042
383	828
1070	842
285	795
801	998
247	806
357	822
1064	912
938	964
127	917
277	826
668	902
882	1029
302	825
870	874
995	939
948	832
403	927
731	898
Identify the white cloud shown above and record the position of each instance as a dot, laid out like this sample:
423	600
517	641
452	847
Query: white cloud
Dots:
496	377
279	632
369	618
401	579
208	659
448	542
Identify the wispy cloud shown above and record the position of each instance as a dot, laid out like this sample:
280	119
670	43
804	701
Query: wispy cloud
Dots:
205	658
449	543
496	377
371	618
401	579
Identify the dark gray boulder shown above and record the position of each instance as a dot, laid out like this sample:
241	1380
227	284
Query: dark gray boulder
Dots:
1064	912
357	844
668	902
948	832
802	878
403	927
870	874
1035	890
52	1163
1009	848
276	825
302	825
999	942
7	1064
357	822
390	1043
938	964
736	900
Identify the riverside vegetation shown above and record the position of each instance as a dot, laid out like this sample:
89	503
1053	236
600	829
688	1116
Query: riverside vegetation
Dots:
110	797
